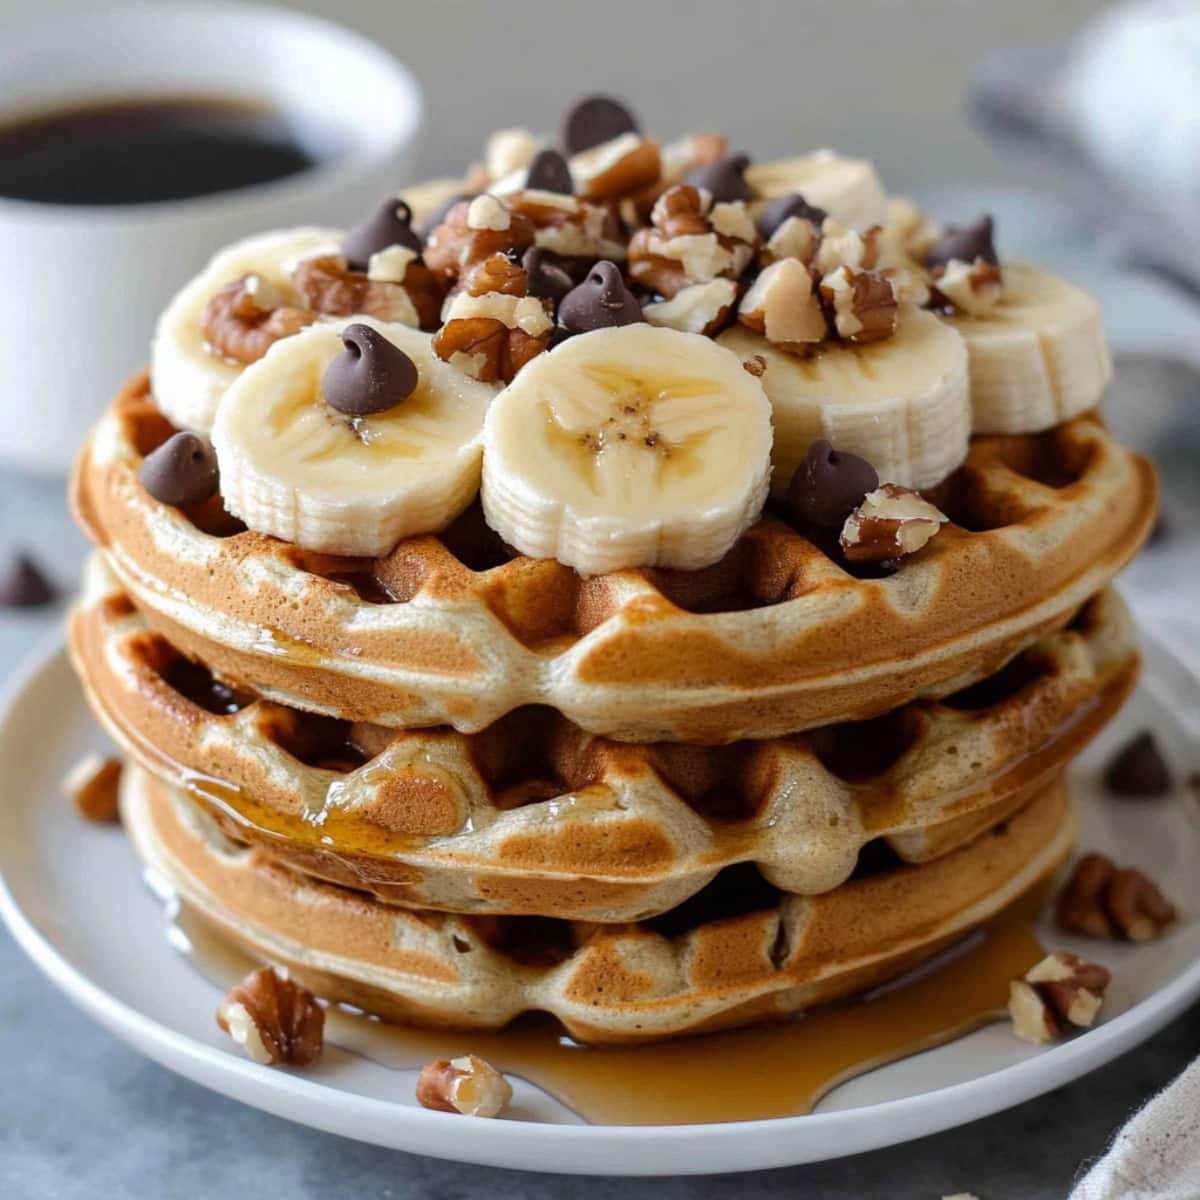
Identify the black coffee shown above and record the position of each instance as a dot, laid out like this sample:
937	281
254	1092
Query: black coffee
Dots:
138	151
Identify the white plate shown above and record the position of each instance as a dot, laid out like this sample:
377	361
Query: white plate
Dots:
73	897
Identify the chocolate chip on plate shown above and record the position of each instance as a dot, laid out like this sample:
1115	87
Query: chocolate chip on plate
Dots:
547	279
828	486
966	243
1138	768
549	173
724	180
389	225
370	375
23	584
783	207
183	470
593	120
601	301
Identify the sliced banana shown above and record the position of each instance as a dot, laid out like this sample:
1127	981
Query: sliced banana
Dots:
294	468
901	403
634	446
187	379
848	189
1038	357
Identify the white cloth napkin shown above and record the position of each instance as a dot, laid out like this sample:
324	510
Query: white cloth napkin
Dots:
1157	1155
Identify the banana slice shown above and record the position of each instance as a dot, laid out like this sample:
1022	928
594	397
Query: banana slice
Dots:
902	403
295	468
1038	357
848	189
634	446
187	380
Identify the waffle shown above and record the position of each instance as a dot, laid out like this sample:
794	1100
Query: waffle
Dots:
775	638
535	816
739	952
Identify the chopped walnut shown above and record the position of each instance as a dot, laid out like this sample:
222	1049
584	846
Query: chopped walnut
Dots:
273	1019
797	237
458	243
468	1085
890	522
691	241
92	786
1057	993
570	227
623	167
863	304
782	305
327	285
508	151
699	308
842	247
245	319
1103	900
972	288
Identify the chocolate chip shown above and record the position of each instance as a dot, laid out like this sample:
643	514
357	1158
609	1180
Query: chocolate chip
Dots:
183	470
370	375
439	214
549	173
827	486
783	207
966	243
601	301
547	279
23	584
389	225
594	120
1138	769
724	180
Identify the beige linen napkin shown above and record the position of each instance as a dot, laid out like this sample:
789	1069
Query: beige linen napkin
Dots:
1157	1155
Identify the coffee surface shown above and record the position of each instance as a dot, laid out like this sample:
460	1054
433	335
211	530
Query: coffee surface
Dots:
145	150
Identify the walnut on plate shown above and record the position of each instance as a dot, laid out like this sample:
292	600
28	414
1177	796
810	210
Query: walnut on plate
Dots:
1061	992
468	1085
273	1019
1102	900
474	230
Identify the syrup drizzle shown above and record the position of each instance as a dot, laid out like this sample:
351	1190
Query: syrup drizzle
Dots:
745	1074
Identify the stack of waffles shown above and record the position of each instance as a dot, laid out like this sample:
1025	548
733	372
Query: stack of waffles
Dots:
628	583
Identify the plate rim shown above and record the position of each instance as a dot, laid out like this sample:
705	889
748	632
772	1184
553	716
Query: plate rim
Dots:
727	1146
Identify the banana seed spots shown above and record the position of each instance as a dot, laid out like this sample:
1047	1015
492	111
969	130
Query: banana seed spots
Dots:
637	433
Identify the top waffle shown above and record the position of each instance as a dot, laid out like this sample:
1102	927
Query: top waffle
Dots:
776	637
520	450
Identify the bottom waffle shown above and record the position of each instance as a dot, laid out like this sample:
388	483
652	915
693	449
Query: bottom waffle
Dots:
738	952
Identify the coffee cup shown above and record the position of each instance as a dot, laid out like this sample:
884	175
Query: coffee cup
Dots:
84	282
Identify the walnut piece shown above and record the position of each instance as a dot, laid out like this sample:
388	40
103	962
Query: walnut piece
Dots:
91	784
691	241
863	304
890	522
972	288
1102	900
782	305
327	285
699	308
1060	992
462	240
467	1085
623	167
246	318
273	1019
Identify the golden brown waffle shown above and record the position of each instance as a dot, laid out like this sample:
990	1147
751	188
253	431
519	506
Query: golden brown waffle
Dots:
739	952
774	638
536	816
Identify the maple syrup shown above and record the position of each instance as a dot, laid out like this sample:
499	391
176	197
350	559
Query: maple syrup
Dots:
746	1074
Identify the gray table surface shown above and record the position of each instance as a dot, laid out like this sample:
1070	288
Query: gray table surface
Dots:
81	1115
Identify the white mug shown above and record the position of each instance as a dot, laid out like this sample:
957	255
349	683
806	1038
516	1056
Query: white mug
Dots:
81	286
